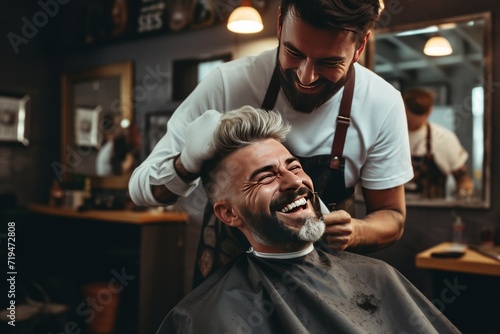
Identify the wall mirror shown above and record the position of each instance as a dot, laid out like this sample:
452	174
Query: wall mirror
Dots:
97	112
462	85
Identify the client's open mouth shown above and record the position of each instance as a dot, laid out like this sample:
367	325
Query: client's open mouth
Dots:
299	204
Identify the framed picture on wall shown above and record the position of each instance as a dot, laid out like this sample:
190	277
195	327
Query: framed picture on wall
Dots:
202	13
156	127
109	20
14	118
87	126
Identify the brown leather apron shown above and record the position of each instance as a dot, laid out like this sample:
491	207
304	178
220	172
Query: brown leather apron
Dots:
428	180
219	243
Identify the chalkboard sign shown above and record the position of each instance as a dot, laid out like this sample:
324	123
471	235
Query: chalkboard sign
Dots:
152	16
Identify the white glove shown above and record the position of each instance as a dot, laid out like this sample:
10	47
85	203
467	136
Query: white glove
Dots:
199	138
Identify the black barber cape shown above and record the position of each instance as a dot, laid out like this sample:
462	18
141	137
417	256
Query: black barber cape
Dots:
322	292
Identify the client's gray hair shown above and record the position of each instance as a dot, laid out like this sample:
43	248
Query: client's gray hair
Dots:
239	128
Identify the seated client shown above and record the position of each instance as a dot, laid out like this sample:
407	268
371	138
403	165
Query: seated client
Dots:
288	282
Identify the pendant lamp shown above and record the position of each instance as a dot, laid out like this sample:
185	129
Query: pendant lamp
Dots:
437	46
245	19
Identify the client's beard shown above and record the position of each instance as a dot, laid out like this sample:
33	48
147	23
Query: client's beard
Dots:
312	230
270	231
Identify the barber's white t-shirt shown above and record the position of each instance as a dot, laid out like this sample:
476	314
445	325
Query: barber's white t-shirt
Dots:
448	153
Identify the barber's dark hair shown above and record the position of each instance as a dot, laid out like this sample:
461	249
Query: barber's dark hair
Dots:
239	128
418	101
358	16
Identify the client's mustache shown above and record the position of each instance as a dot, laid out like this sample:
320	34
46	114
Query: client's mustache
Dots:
278	203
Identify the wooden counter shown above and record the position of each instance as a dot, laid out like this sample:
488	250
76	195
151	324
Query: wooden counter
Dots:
471	263
154	238
117	216
465	289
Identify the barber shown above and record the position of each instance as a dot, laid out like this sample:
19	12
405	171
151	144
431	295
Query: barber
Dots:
348	126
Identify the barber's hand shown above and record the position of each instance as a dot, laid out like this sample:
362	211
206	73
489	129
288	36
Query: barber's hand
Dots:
199	137
338	232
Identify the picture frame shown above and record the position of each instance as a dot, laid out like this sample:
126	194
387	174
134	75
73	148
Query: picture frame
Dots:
202	14
107	21
14	118
87	126
156	127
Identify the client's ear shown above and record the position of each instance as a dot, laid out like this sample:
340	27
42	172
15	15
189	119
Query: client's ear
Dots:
226	214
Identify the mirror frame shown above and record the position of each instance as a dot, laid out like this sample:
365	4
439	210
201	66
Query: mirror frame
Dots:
485	201
123	70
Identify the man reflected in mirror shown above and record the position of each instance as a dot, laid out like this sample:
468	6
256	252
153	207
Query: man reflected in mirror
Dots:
436	151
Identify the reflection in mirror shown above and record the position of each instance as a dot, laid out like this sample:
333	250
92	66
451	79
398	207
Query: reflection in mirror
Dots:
460	83
98	139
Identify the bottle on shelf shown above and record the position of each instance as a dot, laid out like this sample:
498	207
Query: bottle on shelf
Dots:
87	189
458	231
56	194
86	202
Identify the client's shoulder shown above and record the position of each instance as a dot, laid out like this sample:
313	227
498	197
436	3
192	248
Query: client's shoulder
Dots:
207	302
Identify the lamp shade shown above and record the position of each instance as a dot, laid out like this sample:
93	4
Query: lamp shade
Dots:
245	20
437	46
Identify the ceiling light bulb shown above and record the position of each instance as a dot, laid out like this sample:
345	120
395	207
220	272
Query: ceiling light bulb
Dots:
245	20
437	46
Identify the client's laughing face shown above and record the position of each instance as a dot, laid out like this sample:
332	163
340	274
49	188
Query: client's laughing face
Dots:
272	199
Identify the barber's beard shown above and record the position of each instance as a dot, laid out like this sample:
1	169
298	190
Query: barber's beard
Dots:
269	230
307	103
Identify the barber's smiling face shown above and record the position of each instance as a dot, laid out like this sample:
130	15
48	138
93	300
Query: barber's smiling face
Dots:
272	196
313	62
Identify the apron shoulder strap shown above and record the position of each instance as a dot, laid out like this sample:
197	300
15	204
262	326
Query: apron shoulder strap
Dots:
343	121
272	91
428	141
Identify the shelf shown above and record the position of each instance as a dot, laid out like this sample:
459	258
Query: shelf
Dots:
117	216
471	263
